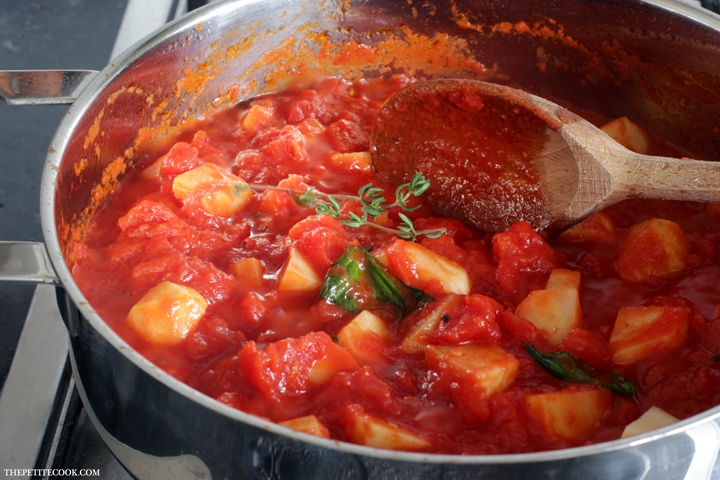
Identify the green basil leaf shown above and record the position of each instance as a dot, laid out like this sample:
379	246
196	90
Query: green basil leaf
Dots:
385	289
618	384
567	366
341	280
357	281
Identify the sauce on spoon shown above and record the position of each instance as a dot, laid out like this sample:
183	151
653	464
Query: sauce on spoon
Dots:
497	155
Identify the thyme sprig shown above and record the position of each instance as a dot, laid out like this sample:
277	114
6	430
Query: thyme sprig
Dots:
372	202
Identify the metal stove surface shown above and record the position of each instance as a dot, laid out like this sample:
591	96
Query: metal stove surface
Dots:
43	426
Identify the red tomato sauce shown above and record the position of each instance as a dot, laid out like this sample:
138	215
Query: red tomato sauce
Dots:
268	342
433	120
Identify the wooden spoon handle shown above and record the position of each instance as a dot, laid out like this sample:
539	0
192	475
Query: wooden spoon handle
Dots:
667	178
635	175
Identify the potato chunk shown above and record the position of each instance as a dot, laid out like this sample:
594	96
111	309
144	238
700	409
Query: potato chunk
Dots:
425	269
167	313
653	250
554	311
298	275
309	424
430	315
650	420
250	271
335	359
598	228
484	368
366	429
352	161
564	278
366	337
628	134
571	413
258	117
642	331
213	188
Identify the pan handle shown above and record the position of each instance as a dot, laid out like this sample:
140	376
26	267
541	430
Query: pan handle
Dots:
26	262
43	87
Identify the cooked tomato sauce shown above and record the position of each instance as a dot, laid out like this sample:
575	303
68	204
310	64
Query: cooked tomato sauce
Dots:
434	128
210	264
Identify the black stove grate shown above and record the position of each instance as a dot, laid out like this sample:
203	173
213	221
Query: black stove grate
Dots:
712	5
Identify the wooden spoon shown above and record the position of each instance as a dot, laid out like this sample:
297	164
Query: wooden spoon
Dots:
496	155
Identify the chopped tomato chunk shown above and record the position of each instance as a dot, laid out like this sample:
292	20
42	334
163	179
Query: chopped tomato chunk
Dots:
524	261
293	367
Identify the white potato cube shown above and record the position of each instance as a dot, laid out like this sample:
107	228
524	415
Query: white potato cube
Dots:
152	171
643	331
484	368
366	429
195	178
598	228
553	311
655	249
652	419
250	271
167	313
352	161
220	192
309	424
298	276
423	268
259	117
628	134
366	337
418	338
564	278
571	413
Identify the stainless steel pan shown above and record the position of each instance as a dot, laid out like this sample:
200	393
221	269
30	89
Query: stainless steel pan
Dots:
656	61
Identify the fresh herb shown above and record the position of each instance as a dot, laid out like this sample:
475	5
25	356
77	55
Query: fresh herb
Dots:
357	281
372	203
568	367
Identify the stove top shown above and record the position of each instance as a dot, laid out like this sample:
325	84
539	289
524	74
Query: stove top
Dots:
44	430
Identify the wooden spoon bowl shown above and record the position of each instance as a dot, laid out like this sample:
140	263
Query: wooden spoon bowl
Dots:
497	155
